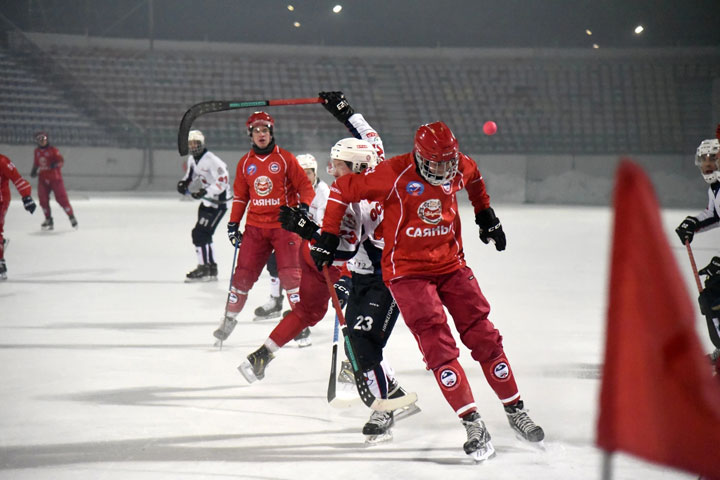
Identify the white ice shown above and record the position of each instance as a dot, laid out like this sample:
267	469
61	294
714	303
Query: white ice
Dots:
109	372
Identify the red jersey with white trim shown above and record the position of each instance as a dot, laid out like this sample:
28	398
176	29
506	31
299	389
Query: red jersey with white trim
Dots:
421	226
265	182
8	172
48	162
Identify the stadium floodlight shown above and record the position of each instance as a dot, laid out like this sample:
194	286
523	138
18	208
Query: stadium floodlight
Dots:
337	8
639	29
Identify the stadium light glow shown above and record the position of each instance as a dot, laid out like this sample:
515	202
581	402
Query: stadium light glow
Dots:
296	24
291	8
595	45
588	31
337	8
639	29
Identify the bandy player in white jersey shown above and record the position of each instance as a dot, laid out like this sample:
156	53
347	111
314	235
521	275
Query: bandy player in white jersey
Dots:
206	179
424	267
707	159
371	311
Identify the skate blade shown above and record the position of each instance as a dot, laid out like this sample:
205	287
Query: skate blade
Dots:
199	280
537	445
372	440
272	316
406	412
247	371
483	454
305	342
218	343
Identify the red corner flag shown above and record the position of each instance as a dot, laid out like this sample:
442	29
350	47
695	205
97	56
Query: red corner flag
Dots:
658	399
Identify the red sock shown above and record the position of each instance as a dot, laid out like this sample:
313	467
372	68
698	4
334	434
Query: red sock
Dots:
455	387
501	379
288	328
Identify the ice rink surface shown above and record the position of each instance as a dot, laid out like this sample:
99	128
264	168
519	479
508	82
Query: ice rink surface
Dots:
109	372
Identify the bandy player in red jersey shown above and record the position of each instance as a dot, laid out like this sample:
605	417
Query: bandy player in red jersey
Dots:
46	166
267	178
423	259
8	172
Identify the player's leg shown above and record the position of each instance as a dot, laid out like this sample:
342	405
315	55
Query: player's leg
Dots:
44	200
273	307
469	309
3	267
202	238
61	196
287	253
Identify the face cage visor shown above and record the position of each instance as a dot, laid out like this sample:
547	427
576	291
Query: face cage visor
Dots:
436	173
196	147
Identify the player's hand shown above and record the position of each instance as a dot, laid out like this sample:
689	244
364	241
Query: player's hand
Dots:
712	269
687	229
199	194
234	234
342	289
182	186
29	204
323	251
491	228
337	104
294	220
33	172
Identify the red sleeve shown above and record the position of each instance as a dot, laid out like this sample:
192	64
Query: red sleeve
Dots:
474	183
299	180
241	193
8	170
58	159
373	184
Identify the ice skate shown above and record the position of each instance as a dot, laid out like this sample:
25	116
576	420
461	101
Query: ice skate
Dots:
3	270
254	367
213	271
271	309
346	375
303	338
478	445
346	394
201	274
714	358
73	222
524	427
396	391
378	428
225	329
47	224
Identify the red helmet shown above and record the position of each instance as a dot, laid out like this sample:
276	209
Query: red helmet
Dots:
436	152
259	119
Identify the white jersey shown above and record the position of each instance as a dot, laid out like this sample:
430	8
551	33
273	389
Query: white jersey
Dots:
710	217
362	218
316	212
209	173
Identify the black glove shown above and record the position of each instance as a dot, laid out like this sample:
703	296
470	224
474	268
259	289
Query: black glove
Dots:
29	204
294	220
323	251
491	228
712	269
342	289
709	298
234	234
199	194
304	209
337	104
687	229
33	172
182	186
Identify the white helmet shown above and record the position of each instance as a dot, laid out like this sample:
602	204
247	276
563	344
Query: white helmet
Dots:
196	136
357	154
307	161
709	148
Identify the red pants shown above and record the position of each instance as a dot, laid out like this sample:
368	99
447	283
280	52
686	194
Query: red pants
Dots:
58	187
253	253
313	305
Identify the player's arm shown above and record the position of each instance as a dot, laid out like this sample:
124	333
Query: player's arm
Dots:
182	185
58	161
219	177
339	107
8	170
489	224
300	182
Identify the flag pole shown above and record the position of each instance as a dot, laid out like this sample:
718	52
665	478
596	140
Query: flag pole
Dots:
607	466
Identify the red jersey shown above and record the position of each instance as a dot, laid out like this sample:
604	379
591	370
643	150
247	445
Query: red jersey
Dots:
421	227
265	182
9	172
48	162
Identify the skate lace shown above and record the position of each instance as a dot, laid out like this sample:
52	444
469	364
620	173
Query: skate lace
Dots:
474	429
227	325
379	418
522	421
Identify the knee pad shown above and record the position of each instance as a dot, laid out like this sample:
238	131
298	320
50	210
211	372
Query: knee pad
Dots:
201	236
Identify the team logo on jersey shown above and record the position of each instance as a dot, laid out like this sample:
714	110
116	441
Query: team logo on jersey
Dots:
263	186
415	188
274	167
251	169
430	211
501	370
449	378
447	187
